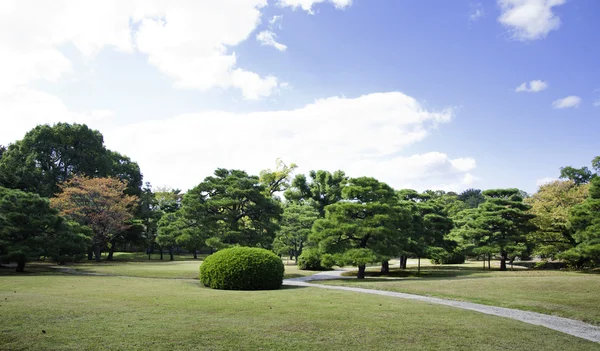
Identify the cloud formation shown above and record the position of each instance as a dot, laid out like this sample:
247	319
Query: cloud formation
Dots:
533	86
307	5
477	12
529	19
567	102
189	41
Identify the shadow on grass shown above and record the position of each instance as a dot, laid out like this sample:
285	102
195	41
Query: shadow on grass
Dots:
429	273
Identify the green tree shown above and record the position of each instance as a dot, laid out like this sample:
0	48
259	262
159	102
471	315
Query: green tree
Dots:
472	197
363	228
551	206
295	227
323	189
500	225
585	219
578	175
232	208
49	155
278	180
30	228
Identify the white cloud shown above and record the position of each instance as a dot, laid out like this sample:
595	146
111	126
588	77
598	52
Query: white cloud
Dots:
189	41
307	5
362	136
533	86
274	20
569	101
267	38
529	19
544	181
477	12
597	103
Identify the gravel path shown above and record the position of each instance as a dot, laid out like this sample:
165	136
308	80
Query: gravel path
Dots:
565	325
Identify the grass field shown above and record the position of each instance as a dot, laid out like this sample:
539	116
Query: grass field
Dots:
67	312
562	293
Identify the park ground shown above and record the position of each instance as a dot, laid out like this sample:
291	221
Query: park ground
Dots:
138	304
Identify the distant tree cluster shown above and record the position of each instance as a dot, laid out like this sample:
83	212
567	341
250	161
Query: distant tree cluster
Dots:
64	194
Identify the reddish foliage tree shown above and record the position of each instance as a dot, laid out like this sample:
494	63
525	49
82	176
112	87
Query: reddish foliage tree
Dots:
98	203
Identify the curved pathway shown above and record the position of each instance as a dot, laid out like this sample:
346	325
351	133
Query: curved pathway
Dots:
565	325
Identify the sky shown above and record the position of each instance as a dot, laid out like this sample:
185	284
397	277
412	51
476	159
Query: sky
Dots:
419	94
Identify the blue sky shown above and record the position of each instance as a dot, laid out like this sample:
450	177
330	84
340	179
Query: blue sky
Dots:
419	94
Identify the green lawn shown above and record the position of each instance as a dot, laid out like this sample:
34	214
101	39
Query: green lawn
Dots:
121	313
562	293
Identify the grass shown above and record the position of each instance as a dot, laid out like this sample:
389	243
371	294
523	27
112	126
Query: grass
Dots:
67	312
561	293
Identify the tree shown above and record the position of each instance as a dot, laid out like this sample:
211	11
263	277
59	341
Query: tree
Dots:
472	197
363	228
278	180
98	203
429	223
551	206
30	228
296	224
2	150
323	189
578	175
49	155
499	225
232	208
585	220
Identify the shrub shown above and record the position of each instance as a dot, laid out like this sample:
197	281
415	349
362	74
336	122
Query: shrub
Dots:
441	256
242	268
313	260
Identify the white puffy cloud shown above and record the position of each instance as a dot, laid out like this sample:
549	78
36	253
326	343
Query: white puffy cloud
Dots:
529	19
268	38
189	41
362	136
544	181
307	5
567	102
24	108
533	86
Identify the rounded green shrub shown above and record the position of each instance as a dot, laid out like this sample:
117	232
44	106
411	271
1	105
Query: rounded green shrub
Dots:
313	260
242	268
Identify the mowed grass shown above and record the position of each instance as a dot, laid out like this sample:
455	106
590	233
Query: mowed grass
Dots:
562	293
68	312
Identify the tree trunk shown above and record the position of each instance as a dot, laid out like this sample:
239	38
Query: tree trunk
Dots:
419	265
97	253
490	262
385	267
161	253
90	253
195	254
111	251
361	271
171	254
503	257
403	260
21	265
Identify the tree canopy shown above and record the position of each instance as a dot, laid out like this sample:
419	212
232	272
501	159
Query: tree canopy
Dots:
49	155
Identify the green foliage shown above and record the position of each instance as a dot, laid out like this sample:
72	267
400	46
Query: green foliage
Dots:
585	219
578	175
323	189
499	225
439	255
231	206
313	260
472	198
242	268
30	228
49	155
367	226
277	180
551	206
295	226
